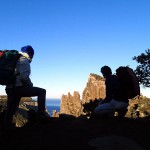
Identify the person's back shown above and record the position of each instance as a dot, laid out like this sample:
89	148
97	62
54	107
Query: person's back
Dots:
118	91
110	83
115	99
22	72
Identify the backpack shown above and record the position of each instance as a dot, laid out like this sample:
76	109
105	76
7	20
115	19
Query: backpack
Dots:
129	81
8	61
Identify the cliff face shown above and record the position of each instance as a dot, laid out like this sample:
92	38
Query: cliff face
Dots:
95	88
71	105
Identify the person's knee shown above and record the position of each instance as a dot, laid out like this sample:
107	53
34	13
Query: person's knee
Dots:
103	110
43	91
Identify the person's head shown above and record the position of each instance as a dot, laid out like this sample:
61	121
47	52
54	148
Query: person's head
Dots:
29	50
106	71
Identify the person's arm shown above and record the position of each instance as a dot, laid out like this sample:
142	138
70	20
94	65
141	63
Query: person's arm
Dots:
108	97
24	71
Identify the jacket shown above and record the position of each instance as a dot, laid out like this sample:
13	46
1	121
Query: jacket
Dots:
22	72
114	90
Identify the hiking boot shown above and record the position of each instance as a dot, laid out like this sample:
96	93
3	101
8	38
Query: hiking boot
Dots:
44	117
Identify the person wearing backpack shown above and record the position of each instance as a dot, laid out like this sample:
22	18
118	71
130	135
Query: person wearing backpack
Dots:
115	100
23	87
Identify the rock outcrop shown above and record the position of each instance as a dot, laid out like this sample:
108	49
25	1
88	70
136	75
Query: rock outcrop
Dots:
79	134
22	115
71	105
95	88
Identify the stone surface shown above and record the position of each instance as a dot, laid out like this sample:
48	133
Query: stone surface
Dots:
94	89
71	105
112	142
79	134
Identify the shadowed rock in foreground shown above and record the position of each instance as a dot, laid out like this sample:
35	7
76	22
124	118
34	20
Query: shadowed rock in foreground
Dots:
79	134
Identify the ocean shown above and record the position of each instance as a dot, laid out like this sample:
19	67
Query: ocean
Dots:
52	104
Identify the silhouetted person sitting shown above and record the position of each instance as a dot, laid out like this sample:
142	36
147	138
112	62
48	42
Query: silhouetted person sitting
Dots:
115	100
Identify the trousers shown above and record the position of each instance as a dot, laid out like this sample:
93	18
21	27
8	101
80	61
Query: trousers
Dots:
110	107
14	96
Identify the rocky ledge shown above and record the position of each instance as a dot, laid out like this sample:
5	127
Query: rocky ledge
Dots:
79	134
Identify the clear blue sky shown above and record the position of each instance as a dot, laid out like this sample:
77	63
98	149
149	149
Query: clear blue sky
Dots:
73	38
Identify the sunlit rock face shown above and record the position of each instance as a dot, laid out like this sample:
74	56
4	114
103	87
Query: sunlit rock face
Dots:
21	116
95	88
71	104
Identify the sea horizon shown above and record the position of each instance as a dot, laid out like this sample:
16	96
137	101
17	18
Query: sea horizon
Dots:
52	104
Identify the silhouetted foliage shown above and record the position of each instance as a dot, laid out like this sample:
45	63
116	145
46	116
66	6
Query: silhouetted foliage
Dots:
89	107
143	69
